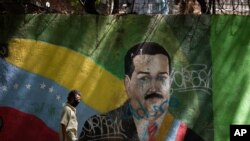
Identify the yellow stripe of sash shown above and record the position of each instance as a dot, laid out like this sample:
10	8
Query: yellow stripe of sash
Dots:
100	89
165	127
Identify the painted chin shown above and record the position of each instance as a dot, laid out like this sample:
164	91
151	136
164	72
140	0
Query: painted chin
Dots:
153	103
154	100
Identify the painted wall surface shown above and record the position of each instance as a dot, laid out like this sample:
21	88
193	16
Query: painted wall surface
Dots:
45	56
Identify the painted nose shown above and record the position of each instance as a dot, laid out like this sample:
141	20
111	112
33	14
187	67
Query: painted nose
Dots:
153	86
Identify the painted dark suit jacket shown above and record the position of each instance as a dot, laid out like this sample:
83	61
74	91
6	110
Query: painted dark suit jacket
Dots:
118	125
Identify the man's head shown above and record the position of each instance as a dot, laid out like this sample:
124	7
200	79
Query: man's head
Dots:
74	97
147	78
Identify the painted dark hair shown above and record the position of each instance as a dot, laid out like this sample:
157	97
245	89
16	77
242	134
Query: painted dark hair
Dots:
72	94
150	48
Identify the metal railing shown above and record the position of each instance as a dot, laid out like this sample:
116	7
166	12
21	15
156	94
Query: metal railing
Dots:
238	7
108	7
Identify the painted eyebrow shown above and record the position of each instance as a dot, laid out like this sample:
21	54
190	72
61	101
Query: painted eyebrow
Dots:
163	73
143	72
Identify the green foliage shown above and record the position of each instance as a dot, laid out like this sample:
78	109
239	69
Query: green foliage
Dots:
76	6
74	3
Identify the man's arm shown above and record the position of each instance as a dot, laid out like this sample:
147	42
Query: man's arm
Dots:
64	122
63	128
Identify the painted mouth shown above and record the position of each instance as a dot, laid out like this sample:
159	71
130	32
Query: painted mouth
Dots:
153	95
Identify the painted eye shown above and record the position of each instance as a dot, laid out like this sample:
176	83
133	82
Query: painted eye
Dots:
162	78
145	78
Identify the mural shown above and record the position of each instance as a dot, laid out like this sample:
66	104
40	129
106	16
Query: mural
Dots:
43	57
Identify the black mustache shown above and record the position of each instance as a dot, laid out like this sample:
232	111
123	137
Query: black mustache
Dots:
153	95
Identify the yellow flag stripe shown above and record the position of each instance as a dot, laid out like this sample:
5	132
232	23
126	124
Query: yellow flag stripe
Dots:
100	89
165	127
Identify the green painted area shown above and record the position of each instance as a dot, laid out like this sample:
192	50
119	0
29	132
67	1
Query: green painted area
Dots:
193	35
231	68
196	43
105	39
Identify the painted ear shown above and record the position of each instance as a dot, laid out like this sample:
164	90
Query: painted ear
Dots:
127	84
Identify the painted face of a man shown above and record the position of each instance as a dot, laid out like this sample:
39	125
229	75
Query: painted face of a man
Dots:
149	86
